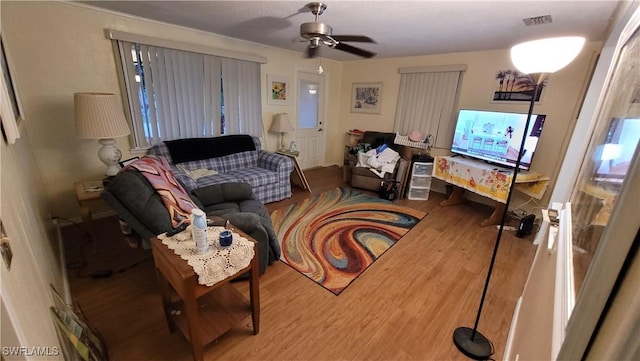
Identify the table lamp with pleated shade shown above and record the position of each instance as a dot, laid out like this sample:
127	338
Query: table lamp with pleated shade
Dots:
281	124
100	116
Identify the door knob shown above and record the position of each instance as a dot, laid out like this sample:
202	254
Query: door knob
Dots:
319	129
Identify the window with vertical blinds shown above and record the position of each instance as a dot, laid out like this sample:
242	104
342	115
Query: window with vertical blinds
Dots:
176	94
426	101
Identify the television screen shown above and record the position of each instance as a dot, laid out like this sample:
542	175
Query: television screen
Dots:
496	136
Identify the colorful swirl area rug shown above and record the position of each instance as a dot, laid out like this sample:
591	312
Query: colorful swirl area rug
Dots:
335	236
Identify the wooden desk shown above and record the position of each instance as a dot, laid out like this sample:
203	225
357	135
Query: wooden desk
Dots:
203	313
297	176
88	199
486	180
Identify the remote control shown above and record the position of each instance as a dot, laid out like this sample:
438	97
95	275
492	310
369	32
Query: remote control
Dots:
218	223
177	230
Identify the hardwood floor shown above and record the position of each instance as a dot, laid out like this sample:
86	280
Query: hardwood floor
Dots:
404	307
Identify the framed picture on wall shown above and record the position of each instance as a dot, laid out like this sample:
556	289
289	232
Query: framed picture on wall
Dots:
513	86
277	90
365	98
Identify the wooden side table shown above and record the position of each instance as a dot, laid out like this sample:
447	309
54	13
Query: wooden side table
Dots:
297	175
203	313
87	199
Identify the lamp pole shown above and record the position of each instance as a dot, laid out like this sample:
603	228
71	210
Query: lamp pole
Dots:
536	58
469	341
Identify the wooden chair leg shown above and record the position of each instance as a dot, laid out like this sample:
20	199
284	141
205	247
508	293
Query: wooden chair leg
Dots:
165	292
254	293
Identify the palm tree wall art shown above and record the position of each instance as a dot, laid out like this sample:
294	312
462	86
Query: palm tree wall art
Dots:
514	86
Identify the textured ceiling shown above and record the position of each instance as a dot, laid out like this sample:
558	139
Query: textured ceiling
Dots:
400	28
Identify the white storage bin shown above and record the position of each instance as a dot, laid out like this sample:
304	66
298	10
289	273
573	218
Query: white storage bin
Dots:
418	181
418	193
422	168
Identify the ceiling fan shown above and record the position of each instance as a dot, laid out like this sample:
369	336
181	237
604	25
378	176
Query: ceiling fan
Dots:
318	33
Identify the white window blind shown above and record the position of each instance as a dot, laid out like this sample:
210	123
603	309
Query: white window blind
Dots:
426	101
241	86
176	94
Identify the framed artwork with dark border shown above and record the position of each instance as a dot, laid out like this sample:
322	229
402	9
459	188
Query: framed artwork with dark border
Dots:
365	98
277	90
513	86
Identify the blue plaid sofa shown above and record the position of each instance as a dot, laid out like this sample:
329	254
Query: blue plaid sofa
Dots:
234	159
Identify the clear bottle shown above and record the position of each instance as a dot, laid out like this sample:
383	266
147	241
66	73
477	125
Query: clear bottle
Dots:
199	230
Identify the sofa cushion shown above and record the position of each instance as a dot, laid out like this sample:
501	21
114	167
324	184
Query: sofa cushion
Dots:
240	160
210	163
256	177
221	209
217	179
220	193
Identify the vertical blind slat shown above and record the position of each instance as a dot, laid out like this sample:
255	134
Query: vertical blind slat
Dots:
184	94
425	103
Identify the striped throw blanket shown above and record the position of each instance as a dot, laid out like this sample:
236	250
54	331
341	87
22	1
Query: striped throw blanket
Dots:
159	174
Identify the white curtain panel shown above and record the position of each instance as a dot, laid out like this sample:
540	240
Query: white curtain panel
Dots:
212	92
180	94
242	101
176	80
426	103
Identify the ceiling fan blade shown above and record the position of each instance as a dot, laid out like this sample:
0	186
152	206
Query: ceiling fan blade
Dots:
311	51
354	50
356	38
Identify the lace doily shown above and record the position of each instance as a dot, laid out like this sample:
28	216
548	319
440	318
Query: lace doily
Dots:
218	262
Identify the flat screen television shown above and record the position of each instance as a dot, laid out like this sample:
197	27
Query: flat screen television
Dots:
496	136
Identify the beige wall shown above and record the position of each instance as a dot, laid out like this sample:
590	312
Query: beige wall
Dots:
68	52
60	48
531	336
561	99
25	286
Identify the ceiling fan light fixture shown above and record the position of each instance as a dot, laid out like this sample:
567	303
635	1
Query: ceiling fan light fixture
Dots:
317	32
314	42
312	30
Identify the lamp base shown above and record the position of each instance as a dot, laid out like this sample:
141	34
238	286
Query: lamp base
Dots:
110	156
478	348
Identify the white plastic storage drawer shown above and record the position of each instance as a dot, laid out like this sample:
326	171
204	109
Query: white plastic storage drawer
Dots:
418	181
418	193
422	168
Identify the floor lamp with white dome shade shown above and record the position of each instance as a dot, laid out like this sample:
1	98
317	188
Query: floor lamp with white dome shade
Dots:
536	58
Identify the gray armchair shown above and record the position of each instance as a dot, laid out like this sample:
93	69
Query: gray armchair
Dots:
361	177
136	202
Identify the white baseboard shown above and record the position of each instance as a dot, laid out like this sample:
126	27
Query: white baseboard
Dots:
506	356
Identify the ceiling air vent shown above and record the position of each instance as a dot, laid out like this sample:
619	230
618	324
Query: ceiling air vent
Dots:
537	20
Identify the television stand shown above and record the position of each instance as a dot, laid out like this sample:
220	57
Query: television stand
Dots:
457	197
485	180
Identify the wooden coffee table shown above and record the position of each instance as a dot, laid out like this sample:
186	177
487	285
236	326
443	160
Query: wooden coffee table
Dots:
203	313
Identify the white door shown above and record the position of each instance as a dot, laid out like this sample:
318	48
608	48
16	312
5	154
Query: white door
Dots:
310	122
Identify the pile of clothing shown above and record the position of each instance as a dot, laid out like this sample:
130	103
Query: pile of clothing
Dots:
379	160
